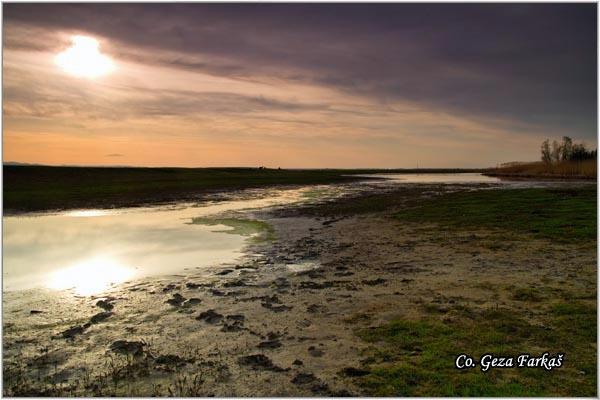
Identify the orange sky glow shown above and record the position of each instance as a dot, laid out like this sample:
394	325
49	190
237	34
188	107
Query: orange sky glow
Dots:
102	101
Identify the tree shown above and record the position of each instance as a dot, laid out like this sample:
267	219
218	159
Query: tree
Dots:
565	151
566	148
546	154
555	151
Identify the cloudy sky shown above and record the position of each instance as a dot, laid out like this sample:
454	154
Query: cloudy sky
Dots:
296	85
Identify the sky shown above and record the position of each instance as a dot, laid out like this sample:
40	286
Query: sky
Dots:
296	85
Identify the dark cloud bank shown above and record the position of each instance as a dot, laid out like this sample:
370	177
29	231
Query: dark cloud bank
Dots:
525	65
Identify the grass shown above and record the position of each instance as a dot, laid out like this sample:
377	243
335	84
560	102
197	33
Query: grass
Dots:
244	227
561	215
364	204
586	169
416	357
39	188
47	188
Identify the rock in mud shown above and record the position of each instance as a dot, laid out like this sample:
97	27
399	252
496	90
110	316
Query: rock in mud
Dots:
73	331
274	335
33	312
176	301
268	303
276	308
313	351
343	393
101	316
281	283
378	281
303	378
224	272
236	317
260	362
170	359
169	287
235	326
235	283
304	323
210	317
315	285
315	308
192	302
105	305
321	389
269	344
351	371
135	348
298	362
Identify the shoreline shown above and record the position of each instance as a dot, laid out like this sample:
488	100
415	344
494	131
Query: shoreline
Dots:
332	281
44	188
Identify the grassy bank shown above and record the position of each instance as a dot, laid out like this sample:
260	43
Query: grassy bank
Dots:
561	215
39	188
415	356
586	169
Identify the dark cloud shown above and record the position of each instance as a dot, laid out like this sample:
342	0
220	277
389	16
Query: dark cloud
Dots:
524	64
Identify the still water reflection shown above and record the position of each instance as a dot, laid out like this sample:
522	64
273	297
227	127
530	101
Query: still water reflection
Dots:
90	250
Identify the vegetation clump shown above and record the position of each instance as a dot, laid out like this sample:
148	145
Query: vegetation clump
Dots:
259	230
562	215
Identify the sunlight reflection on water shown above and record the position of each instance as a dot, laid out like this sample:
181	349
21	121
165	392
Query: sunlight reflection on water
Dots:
90	276
88	251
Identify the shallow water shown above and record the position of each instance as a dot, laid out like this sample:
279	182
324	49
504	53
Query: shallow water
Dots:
437	178
88	251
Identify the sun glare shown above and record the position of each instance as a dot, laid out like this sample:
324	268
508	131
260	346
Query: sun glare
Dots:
87	213
83	59
91	276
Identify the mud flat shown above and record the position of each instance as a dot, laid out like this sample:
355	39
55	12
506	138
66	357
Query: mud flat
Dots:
373	294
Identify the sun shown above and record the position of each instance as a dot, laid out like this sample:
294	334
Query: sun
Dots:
83	59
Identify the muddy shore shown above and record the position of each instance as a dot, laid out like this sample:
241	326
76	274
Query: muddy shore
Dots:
290	318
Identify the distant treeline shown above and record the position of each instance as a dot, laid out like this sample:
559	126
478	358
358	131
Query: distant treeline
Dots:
564	160
566	151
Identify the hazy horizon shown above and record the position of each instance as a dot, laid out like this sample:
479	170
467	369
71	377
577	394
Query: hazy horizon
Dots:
26	164
296	85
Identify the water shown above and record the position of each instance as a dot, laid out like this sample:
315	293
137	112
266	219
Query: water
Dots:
88	251
437	178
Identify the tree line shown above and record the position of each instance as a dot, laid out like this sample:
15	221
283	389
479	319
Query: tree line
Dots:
565	151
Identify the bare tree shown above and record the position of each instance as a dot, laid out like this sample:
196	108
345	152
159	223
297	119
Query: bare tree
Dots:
566	148
546	153
555	151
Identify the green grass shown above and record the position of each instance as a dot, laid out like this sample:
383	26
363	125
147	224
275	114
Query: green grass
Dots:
416	357
562	215
244	227
363	204
527	294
